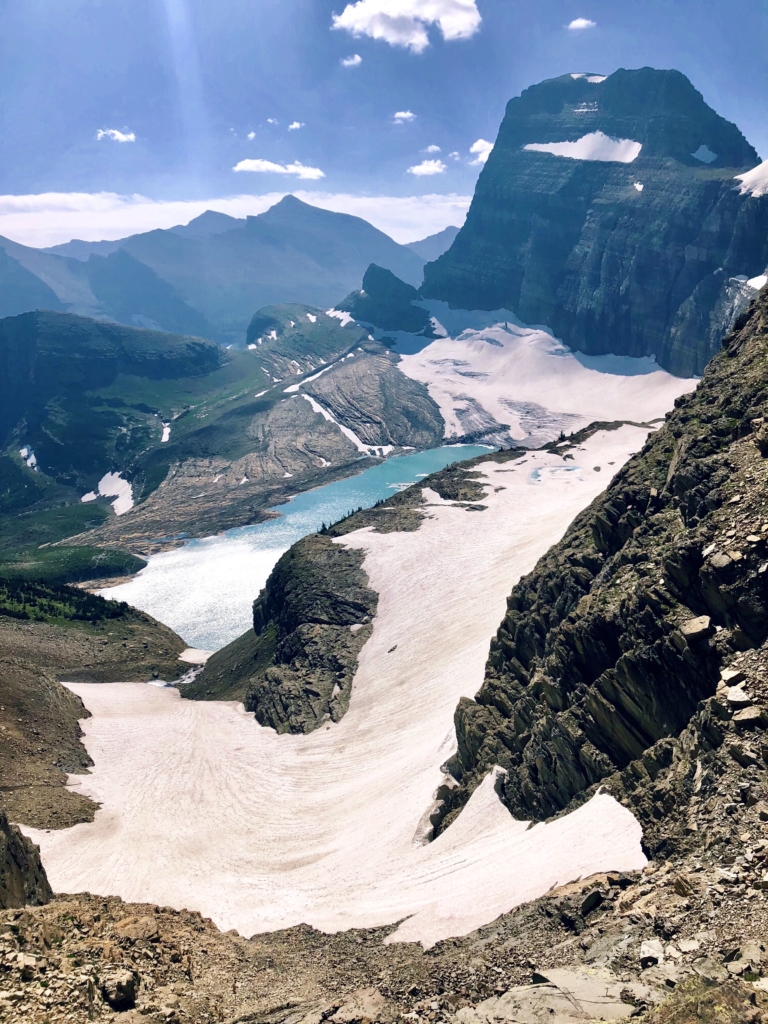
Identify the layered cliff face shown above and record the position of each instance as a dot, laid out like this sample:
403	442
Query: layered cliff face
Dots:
610	646
22	876
610	211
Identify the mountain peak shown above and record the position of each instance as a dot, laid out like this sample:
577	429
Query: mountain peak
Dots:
660	110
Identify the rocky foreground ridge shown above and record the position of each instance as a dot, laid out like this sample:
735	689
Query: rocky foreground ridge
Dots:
646	257
613	658
652	625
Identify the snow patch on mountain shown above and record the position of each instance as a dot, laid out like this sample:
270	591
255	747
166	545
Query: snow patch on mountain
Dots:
754	182
262	831
594	146
519	384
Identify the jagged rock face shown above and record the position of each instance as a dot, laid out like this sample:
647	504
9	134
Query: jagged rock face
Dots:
386	302
597	660
314	614
22	876
626	257
369	394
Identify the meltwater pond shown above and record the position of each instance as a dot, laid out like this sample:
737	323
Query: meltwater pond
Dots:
205	589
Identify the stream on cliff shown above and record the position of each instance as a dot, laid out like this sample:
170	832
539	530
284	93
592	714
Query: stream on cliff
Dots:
205	589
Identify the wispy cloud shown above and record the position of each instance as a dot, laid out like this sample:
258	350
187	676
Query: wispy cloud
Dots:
267	167
352	61
115	135
427	168
481	150
431	149
579	24
405	22
454	155
402	116
272	120
295	125
53	217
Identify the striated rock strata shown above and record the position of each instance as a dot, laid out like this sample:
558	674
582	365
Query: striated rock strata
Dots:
617	639
635	258
22	876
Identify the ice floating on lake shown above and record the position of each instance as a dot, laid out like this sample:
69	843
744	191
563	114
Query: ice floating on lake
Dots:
263	831
594	146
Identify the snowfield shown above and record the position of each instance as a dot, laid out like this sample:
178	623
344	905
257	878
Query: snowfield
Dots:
203	808
519	383
754	182
594	146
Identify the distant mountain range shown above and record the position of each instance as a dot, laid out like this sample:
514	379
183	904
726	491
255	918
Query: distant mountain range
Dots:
208	277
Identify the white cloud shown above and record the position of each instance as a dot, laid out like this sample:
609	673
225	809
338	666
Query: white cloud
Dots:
404	115
431	149
579	24
267	167
454	155
294	125
352	61
251	136
272	120
428	167
53	217
482	150
405	22
115	135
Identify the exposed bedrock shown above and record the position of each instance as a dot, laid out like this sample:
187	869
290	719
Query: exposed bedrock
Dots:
22	876
636	258
612	643
387	302
295	669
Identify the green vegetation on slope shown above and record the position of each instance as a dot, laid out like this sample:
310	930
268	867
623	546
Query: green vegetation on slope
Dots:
46	602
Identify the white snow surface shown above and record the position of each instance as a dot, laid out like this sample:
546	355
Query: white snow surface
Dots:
341	314
112	485
639	186
347	431
758	282
295	387
311	317
594	146
200	807
166	433
524	377
754	182
194	656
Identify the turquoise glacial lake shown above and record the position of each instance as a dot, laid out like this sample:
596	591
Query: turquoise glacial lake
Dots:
205	589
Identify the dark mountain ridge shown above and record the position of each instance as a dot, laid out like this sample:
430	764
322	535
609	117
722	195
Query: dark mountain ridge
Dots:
614	254
206	277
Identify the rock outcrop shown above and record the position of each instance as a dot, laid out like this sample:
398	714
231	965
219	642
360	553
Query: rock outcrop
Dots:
22	876
634	256
387	302
295	668
617	639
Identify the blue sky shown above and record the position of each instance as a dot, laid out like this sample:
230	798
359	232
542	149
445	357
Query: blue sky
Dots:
188	89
